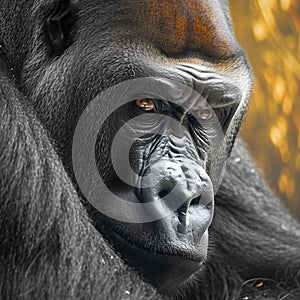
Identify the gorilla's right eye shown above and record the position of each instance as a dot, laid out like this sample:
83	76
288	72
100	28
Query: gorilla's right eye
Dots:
205	114
60	24
145	104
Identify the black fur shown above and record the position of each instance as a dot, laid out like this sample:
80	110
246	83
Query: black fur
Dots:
49	248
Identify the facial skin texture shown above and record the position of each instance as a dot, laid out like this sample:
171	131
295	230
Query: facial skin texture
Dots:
55	245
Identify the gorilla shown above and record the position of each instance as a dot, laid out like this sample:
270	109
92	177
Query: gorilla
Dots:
225	236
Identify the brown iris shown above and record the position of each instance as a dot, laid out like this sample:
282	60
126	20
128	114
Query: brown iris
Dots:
204	114
145	104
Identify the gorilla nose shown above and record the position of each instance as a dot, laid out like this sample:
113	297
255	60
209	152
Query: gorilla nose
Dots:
183	186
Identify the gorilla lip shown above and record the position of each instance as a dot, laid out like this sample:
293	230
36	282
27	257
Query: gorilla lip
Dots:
196	257
165	270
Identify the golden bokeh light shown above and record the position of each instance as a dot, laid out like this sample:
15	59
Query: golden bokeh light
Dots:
269	30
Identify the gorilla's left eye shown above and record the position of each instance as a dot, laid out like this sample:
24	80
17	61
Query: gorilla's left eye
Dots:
60	24
145	104
204	114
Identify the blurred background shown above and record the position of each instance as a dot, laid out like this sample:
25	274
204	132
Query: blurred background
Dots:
269	31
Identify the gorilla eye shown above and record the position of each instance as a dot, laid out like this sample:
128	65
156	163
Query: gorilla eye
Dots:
59	25
145	104
204	114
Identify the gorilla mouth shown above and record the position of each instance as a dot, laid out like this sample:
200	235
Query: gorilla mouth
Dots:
195	256
165	269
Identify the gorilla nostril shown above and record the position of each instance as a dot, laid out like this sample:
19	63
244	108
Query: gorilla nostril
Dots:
203	201
182	212
163	193
166	186
183	218
196	201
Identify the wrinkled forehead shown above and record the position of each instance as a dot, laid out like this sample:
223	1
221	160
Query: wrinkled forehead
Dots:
178	26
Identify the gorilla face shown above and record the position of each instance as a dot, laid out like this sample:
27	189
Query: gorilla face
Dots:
81	48
172	164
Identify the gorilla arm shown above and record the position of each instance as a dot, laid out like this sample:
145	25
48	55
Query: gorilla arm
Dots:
49	249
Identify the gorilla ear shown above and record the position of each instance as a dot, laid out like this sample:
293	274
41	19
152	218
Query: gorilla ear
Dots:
60	23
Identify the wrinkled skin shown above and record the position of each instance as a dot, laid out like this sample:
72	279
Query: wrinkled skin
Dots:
46	83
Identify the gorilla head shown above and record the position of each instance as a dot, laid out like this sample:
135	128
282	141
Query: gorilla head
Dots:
78	49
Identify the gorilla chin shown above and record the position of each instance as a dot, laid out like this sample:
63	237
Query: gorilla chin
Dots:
166	269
